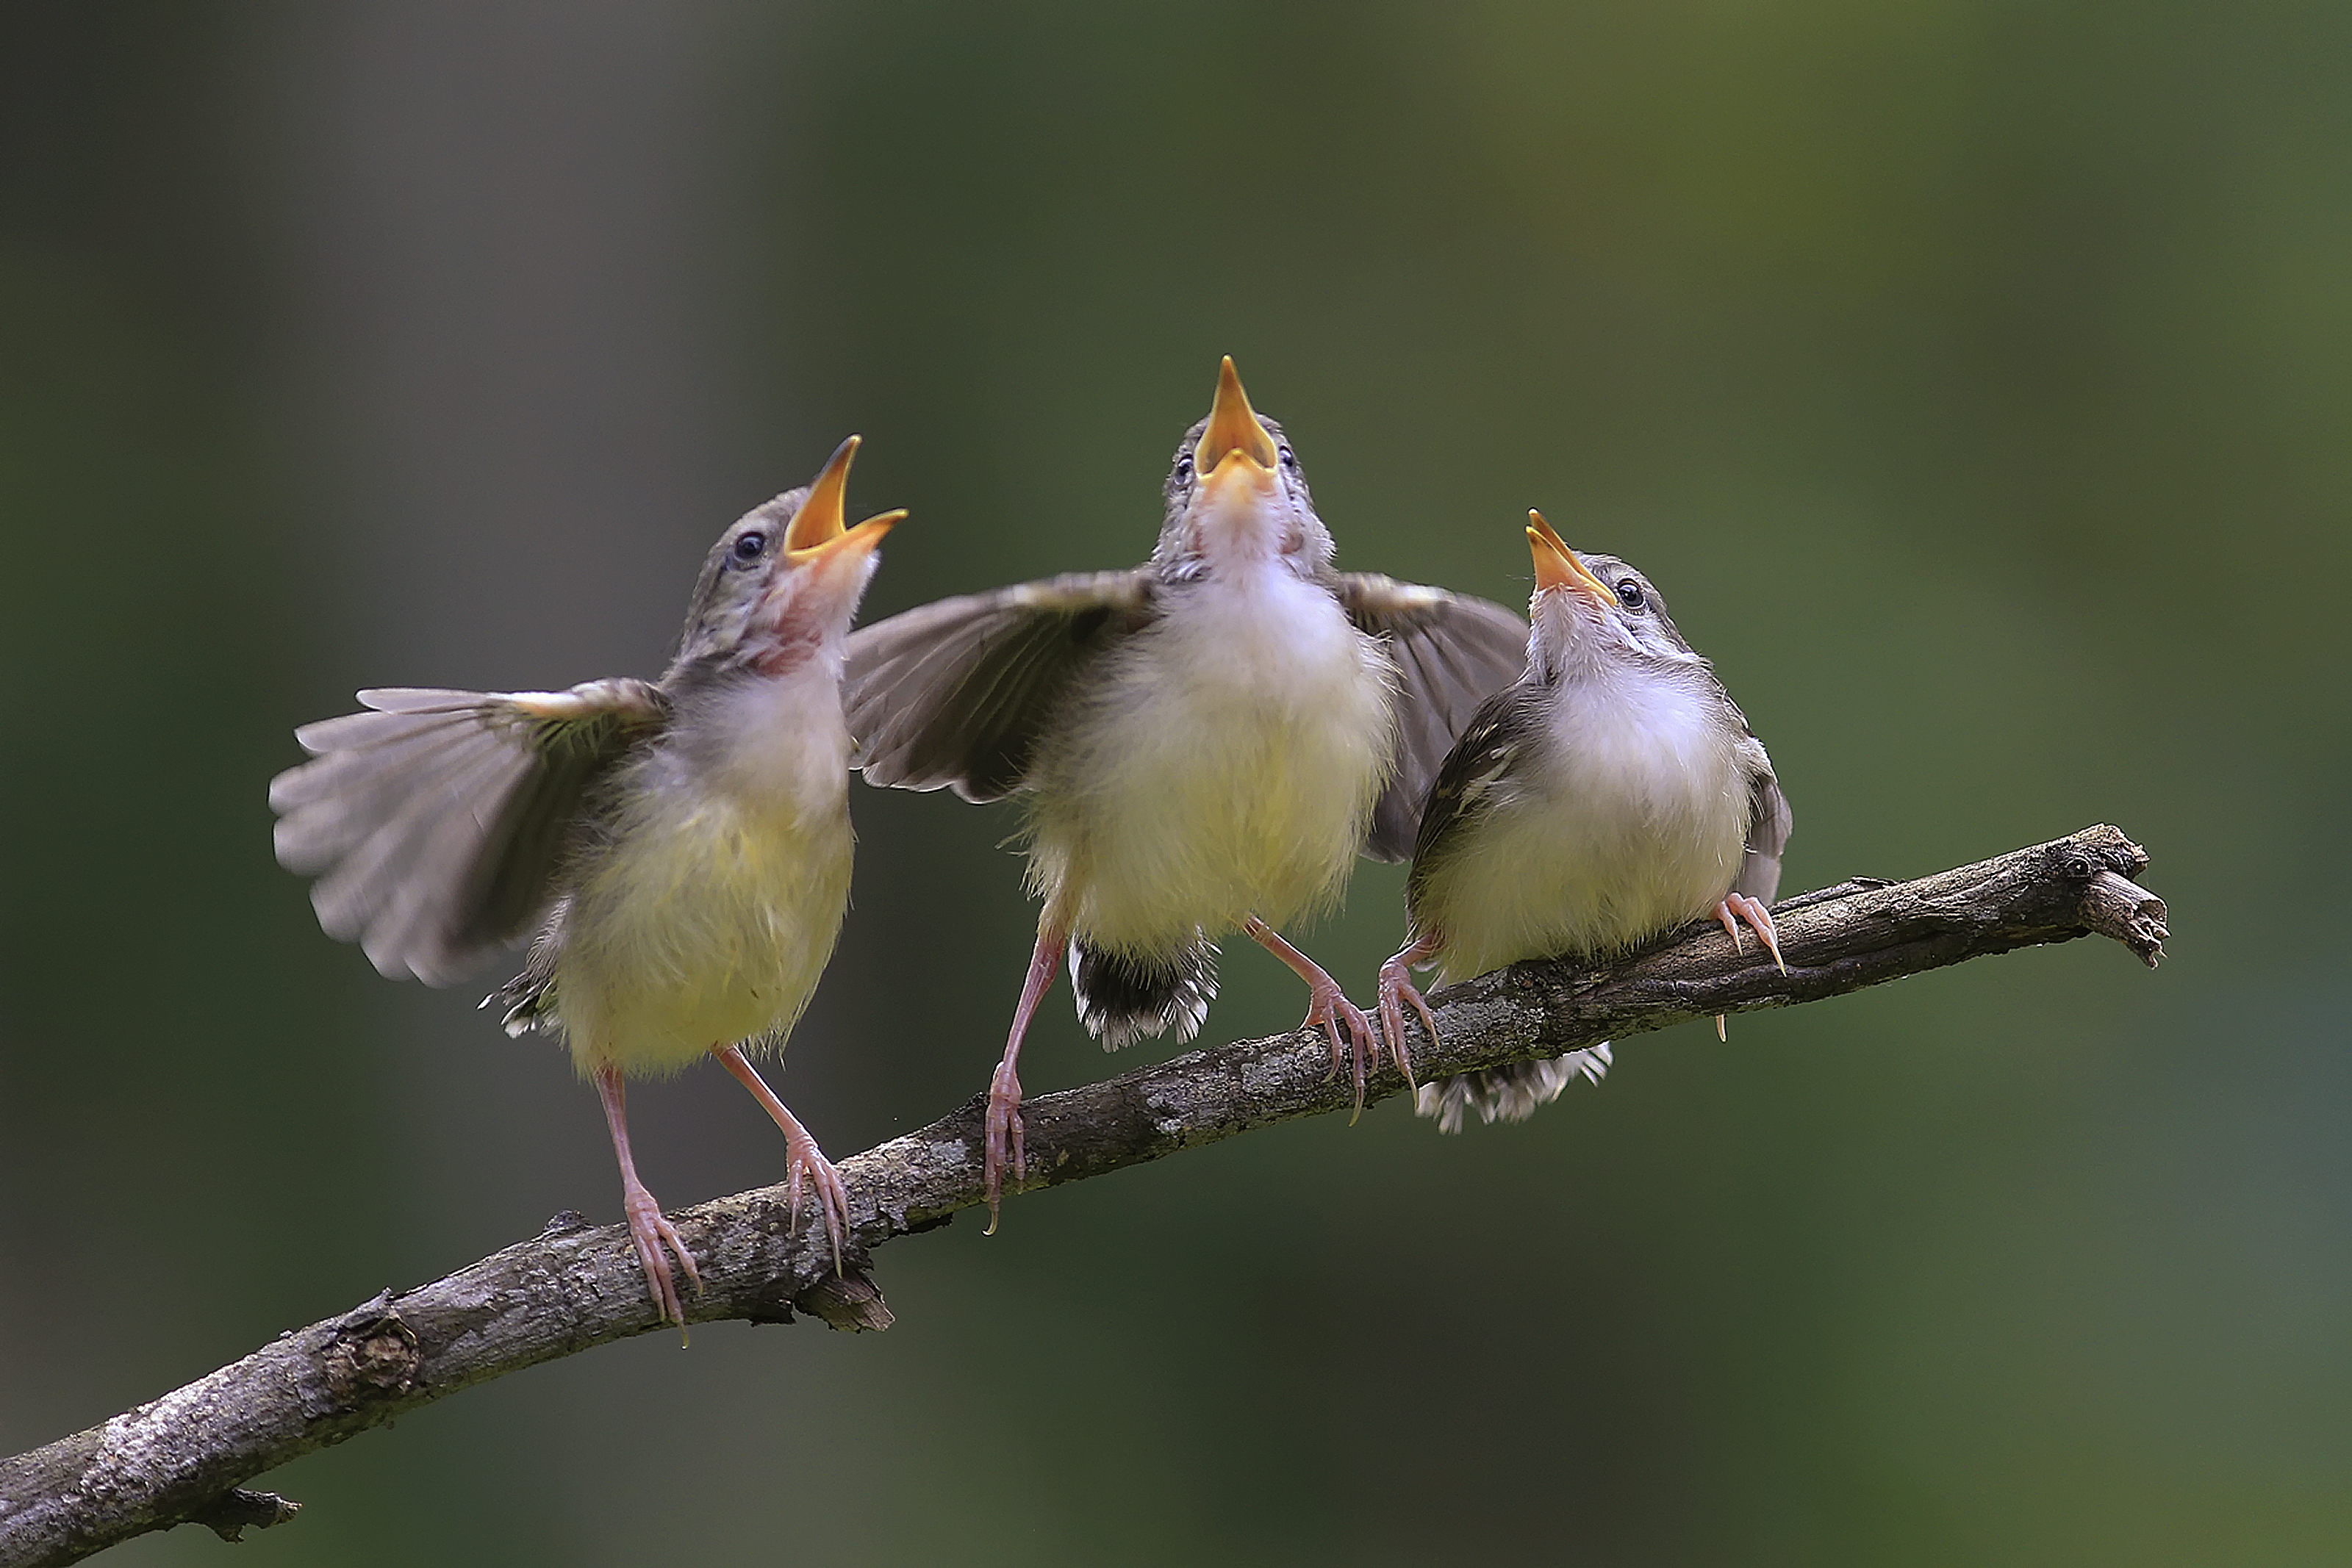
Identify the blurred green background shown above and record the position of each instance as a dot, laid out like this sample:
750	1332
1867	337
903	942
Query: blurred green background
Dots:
1975	377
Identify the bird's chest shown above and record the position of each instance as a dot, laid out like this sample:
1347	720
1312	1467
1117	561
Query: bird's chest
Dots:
1632	819
1645	757
778	749
751	805
1226	763
1271	675
708	914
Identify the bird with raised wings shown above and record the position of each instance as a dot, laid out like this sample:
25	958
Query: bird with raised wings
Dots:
1203	744
1610	794
680	847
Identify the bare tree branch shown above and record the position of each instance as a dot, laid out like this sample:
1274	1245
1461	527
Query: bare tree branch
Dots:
182	1457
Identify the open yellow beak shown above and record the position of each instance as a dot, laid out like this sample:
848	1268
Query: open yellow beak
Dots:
1233	430
1557	566
816	531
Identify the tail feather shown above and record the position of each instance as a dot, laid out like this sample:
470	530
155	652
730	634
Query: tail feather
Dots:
1509	1093
1124	996
529	999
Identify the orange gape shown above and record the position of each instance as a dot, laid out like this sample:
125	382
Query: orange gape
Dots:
1610	794
1202	745
680	847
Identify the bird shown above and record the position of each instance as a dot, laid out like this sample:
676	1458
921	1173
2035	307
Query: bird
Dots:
1203	743
1611	794
680	847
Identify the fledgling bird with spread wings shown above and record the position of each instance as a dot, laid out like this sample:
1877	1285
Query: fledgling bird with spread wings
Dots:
1203	744
681	847
1609	795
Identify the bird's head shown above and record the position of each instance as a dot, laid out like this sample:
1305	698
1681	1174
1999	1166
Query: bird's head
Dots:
1236	495
1591	607
783	583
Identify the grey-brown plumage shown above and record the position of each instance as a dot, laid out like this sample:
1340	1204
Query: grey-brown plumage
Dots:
424	889
1203	744
1611	793
957	694
680	847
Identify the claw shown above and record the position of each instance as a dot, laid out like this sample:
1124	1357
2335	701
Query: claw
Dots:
1397	989
804	1164
1004	1137
653	1237
1329	1010
1739	907
1006	1140
657	1240
1735	908
804	1159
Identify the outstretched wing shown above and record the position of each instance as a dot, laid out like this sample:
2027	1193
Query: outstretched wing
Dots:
435	820
1452	652
956	693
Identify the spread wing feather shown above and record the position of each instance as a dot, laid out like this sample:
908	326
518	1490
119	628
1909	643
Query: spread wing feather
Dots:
435	820
954	694
1452	653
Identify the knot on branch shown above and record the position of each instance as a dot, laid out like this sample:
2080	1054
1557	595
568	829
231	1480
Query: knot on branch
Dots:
373	1356
850	1301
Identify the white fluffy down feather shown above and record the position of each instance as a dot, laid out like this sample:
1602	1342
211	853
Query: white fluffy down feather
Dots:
1225	764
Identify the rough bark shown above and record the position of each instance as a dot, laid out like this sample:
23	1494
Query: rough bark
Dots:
182	1458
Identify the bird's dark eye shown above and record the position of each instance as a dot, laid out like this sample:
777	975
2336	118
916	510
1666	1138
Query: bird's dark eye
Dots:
749	546
1629	594
1289	458
1184	469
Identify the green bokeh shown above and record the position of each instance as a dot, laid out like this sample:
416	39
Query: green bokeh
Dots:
1975	378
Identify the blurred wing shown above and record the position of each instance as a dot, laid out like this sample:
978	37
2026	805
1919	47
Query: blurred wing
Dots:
434	821
1769	824
955	693
1452	653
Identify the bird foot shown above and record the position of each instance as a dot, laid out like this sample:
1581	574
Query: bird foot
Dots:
1328	1009
1739	907
1006	1142
804	1161
656	1239
1397	990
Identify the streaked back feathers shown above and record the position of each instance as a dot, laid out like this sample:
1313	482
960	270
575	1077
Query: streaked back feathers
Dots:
1611	794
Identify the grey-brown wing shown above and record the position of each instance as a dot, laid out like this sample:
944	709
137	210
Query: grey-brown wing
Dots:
435	820
1452	652
1492	749
1768	825
955	693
